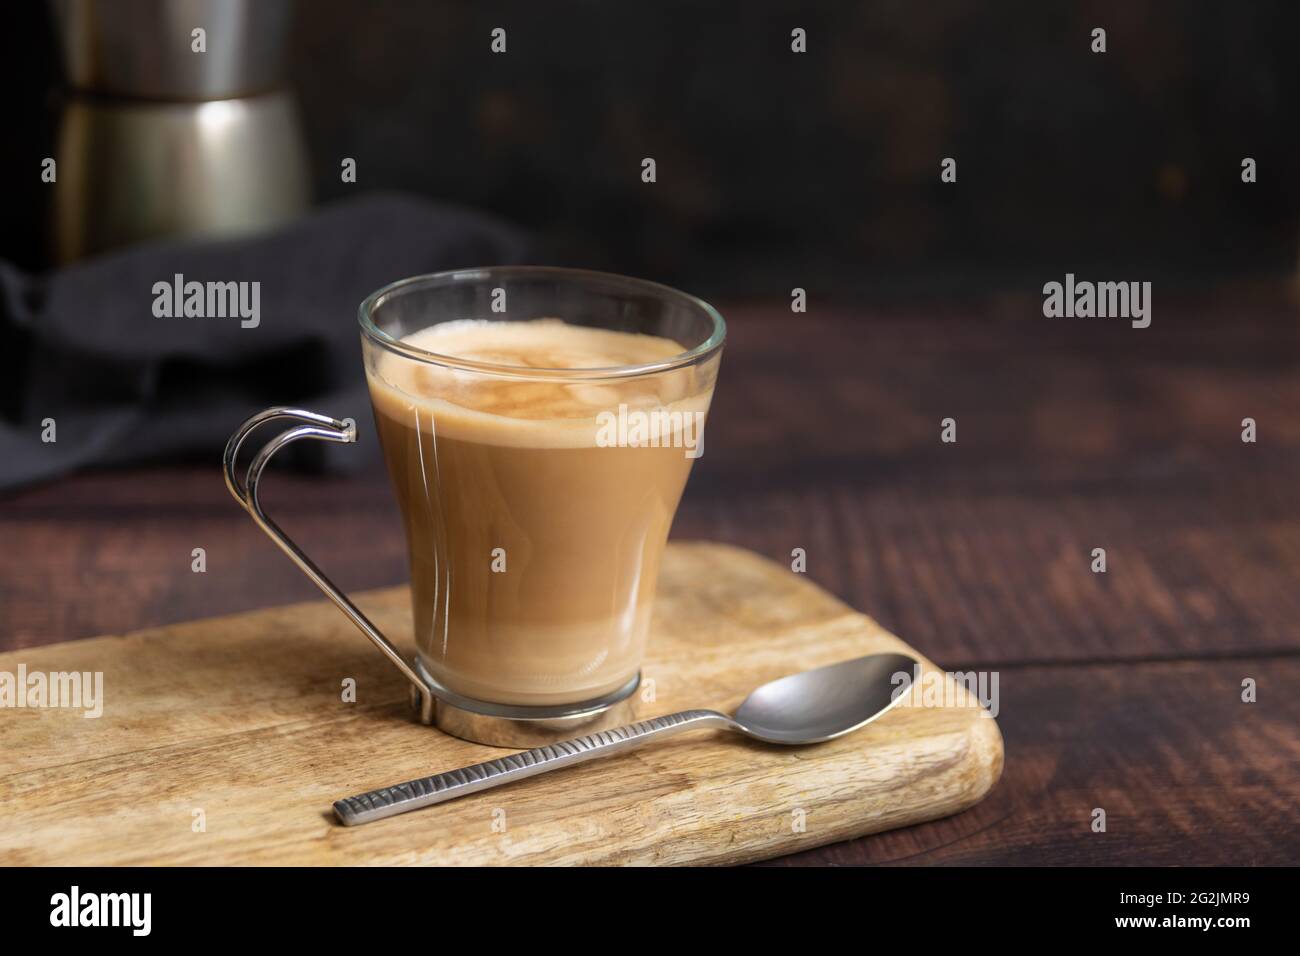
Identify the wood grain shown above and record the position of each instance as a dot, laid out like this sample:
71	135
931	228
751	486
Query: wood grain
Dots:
241	717
1188	773
1073	435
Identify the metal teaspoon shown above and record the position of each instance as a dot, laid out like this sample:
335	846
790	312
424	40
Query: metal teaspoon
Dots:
806	708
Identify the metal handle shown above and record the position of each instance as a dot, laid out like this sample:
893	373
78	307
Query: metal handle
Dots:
324	428
414	794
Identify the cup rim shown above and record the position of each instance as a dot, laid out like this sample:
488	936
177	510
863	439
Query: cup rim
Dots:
690	357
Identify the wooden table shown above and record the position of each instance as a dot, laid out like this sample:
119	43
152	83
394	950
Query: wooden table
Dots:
1119	690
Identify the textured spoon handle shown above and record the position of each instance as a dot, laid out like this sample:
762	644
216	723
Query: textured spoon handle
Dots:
414	794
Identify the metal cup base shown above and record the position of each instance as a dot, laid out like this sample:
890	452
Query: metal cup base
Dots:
504	725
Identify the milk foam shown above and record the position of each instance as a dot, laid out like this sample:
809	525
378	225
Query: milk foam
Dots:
532	412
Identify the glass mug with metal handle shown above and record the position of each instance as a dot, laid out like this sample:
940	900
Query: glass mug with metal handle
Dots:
538	426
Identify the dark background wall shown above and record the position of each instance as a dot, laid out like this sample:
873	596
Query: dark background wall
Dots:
777	169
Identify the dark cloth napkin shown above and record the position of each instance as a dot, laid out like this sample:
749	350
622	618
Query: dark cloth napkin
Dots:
82	346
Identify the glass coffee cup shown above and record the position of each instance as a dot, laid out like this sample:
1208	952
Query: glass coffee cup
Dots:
538	426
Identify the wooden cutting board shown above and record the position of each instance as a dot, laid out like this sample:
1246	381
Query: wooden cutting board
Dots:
225	741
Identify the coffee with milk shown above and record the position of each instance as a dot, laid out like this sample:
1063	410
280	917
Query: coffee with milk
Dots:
534	539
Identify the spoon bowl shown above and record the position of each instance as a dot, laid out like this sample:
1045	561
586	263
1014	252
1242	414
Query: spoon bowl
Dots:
827	702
